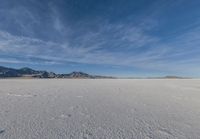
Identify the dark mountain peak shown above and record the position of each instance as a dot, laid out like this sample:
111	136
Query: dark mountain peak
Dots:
4	68
79	74
172	77
8	72
26	70
1	67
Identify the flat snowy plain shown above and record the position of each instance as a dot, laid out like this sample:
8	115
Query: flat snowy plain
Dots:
99	109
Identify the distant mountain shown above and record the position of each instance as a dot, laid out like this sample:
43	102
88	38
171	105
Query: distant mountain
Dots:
76	74
169	77
79	74
30	73
27	70
8	72
175	77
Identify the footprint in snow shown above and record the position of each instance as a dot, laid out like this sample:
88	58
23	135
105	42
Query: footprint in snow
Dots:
2	131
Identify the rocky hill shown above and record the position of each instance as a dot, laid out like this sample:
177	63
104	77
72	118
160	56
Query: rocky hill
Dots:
30	73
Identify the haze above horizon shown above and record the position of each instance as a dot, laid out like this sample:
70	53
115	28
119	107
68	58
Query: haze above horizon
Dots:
106	37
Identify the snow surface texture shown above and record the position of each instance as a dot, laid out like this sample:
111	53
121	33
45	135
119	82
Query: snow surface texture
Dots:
99	109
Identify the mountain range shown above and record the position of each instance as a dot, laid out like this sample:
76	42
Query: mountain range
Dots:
26	72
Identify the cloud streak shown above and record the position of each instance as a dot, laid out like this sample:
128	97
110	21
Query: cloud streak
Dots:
142	41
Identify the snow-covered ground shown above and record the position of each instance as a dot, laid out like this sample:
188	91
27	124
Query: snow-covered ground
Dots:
99	109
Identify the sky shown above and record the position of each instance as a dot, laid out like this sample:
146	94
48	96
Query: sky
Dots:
105	37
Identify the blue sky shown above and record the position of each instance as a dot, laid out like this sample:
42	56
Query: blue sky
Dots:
106	37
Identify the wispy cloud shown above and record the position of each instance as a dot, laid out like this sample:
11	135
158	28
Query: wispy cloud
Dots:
141	41
159	56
